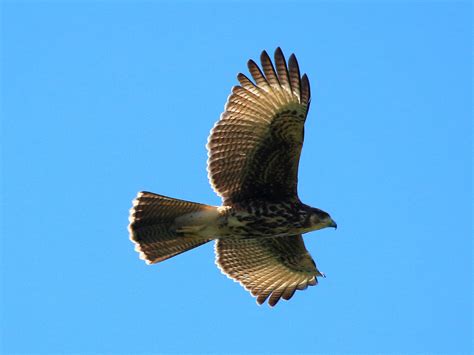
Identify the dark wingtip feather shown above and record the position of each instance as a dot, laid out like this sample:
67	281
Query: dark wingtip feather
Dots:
282	69
289	292
273	301
279	52
293	64
280	58
275	297
268	69
245	81
295	77
305	90
261	299
257	74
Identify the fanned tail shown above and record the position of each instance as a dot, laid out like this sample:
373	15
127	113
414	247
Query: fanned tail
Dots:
153	226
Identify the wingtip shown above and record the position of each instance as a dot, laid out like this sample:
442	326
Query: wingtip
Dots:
240	77
264	54
251	63
292	58
272	302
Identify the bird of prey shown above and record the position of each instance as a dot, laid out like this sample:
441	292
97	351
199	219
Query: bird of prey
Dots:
253	156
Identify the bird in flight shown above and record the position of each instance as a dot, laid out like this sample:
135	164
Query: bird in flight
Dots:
254	151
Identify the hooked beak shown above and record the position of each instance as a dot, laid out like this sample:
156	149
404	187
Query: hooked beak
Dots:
332	224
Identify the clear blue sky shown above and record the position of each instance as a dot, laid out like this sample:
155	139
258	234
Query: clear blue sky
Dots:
101	100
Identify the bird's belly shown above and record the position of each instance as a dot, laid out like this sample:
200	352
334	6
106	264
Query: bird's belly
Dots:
250	226
219	224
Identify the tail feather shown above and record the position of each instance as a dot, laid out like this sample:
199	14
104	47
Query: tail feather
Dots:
151	227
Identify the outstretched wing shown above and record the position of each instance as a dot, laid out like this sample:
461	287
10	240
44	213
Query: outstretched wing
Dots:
274	267
254	148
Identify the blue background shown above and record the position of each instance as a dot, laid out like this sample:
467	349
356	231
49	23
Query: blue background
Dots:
101	100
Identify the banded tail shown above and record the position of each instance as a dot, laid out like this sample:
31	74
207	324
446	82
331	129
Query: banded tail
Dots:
155	226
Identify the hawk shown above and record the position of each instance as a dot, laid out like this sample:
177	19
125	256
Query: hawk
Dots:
253	156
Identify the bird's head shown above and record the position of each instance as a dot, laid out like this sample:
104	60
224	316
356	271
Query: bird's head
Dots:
318	219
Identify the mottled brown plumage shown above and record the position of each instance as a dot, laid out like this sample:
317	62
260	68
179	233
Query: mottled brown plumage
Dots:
254	152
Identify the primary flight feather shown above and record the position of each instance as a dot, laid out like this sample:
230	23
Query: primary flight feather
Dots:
254	151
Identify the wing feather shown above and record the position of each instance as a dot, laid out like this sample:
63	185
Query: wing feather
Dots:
283	73
257	75
295	78
305	89
245	82
269	70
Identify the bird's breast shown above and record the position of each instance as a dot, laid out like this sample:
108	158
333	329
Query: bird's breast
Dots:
258	221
